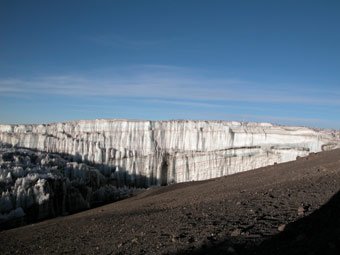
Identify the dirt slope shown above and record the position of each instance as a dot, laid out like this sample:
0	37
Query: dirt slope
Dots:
238	214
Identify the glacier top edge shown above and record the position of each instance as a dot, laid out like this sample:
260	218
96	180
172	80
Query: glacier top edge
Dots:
229	122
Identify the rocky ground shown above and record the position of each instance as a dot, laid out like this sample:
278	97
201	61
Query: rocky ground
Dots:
290	208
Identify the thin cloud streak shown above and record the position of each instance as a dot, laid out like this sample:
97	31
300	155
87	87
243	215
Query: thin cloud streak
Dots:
167	84
193	104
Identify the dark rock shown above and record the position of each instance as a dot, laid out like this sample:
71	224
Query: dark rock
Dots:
236	233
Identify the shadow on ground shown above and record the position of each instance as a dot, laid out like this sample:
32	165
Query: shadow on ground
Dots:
318	233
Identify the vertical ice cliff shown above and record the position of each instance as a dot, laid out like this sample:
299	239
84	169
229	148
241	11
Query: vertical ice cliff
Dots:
144	153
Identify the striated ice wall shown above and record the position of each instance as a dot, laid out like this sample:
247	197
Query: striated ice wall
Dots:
144	153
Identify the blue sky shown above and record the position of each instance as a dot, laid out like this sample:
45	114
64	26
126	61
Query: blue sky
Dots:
268	61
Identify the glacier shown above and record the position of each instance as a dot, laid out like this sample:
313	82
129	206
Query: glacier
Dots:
171	151
93	159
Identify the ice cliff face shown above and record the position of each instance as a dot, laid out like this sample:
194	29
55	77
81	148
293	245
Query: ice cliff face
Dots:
144	153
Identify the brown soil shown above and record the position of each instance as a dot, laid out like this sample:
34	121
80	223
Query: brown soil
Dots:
290	208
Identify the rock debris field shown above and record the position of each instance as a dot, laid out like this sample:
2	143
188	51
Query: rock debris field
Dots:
288	208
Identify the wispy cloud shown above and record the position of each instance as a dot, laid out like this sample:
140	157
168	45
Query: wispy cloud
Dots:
184	103
167	84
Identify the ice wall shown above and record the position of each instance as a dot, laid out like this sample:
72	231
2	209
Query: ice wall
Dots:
145	153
